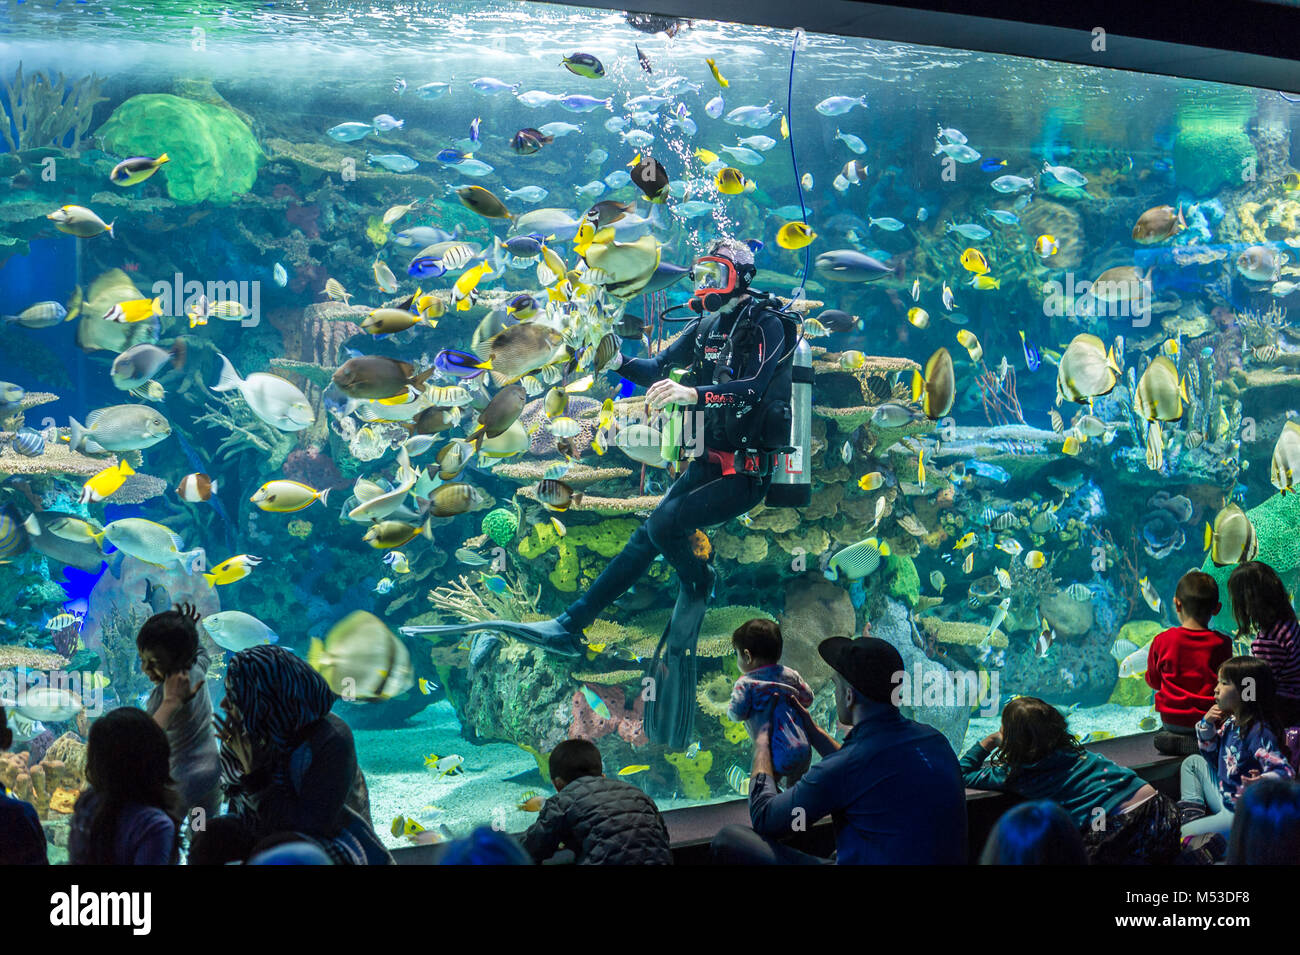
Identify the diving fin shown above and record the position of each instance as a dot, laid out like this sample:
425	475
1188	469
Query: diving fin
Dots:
670	713
548	634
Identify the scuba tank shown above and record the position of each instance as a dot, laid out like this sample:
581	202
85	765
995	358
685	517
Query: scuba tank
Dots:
670	436
791	480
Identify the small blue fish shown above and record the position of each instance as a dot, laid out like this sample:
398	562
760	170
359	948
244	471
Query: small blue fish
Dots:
1033	358
494	582
393	162
426	267
458	364
755	245
992	164
451	156
1162	165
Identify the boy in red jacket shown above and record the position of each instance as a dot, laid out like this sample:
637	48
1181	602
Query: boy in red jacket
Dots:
1183	663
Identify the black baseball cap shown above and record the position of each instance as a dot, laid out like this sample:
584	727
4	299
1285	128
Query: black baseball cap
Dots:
868	664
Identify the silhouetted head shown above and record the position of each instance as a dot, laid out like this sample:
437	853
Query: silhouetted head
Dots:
1259	598
1034	833
574	758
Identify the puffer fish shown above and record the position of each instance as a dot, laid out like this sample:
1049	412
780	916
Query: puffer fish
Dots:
232	570
106	483
285	497
936	388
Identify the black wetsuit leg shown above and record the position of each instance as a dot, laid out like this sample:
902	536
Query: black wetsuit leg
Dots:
701	497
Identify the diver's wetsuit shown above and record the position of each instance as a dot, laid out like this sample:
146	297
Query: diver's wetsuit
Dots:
702	496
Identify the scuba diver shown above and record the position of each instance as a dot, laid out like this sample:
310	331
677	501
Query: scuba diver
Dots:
737	359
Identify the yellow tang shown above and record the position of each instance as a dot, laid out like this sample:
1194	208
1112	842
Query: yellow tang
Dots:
705	156
1071	445
972	260
466	284
135	310
985	282
794	235
106	483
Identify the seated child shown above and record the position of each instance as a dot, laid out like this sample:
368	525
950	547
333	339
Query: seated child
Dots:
1240	745
126	815
764	682
172	657
603	820
1182	663
1035	756
22	840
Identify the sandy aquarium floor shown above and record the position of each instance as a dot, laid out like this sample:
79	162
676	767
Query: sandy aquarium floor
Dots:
1107	718
498	776
393	760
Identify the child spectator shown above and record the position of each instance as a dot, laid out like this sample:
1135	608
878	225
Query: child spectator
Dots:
603	821
22	840
1035	756
765	681
1262	608
171	657
1034	833
1240	744
1266	825
127	814
1182	663
484	846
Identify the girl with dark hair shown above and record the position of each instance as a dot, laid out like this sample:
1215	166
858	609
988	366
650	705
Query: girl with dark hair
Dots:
1266	825
1034	833
1263	610
289	765
1239	740
1035	756
127	815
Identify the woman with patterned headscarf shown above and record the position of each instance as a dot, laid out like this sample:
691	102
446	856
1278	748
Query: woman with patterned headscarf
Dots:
288	764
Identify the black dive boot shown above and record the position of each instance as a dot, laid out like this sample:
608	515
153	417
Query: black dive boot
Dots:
555	636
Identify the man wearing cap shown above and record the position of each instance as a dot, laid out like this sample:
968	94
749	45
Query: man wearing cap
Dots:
893	789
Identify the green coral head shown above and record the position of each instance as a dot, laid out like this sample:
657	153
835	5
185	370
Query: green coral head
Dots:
501	525
214	155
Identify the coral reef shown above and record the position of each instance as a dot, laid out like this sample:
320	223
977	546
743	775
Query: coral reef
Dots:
623	720
214	154
501	525
1275	521
714	694
691	772
40	111
52	783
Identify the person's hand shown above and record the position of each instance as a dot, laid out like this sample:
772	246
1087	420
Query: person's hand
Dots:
992	741
1214	716
669	392
178	689
230	730
1250	778
190	612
